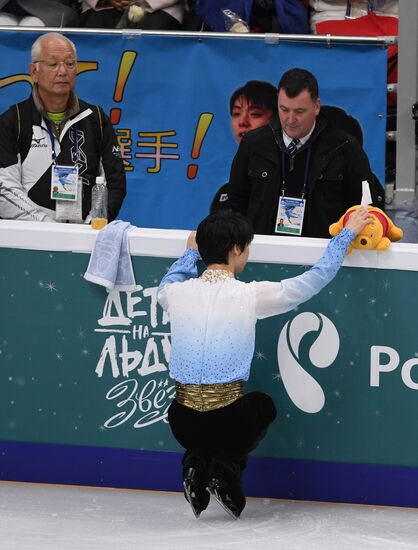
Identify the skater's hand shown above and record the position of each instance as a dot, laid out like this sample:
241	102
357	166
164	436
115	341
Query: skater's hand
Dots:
359	219
191	241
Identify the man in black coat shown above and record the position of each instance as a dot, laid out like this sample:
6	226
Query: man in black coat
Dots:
304	158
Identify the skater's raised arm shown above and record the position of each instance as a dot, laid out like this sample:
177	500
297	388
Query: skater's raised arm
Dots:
275	298
181	270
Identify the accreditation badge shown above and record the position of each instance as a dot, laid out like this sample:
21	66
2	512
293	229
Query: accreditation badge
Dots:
289	220
70	211
64	182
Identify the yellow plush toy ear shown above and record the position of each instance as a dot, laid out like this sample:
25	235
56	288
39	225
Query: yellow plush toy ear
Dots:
394	233
336	227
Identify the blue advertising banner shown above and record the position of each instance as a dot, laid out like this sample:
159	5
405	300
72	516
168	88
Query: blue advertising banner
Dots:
168	97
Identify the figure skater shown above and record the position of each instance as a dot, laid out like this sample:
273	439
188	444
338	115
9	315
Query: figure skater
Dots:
213	320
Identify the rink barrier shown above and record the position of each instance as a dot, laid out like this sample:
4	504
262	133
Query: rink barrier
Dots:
161	471
85	387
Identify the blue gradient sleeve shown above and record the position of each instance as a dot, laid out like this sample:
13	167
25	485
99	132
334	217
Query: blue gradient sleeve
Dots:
310	283
182	269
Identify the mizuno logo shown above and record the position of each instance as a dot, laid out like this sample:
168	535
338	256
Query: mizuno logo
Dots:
36	142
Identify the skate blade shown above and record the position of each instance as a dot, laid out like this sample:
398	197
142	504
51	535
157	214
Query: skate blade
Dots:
191	497
231	510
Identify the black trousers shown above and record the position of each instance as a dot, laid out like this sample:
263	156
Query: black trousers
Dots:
218	442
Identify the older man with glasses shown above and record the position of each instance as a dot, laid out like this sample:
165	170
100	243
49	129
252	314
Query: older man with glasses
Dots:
52	133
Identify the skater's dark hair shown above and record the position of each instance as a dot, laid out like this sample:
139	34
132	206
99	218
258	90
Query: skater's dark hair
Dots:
294	81
258	93
218	233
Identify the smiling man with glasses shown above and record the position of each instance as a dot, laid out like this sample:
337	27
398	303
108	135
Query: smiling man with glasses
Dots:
54	132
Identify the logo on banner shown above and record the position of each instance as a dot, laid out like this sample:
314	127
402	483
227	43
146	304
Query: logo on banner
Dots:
302	388
135	351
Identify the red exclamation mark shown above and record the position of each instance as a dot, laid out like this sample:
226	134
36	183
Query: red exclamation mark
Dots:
126	63
201	129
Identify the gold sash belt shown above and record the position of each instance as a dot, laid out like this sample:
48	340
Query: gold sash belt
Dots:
208	397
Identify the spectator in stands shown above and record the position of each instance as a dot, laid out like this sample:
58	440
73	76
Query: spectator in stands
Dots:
51	131
334	10
35	13
250	107
300	161
284	16
143	14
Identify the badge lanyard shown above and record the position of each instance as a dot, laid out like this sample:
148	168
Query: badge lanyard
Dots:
64	179
291	210
52	138
305	177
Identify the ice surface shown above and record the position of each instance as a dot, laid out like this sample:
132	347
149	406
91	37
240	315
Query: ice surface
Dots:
48	517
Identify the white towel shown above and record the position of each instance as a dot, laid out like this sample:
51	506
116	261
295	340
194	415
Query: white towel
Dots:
110	262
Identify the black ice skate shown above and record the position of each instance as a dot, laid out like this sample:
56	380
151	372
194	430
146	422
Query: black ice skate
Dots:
232	502
195	491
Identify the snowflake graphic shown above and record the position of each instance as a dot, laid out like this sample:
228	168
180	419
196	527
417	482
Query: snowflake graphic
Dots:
277	376
372	301
51	287
260	355
85	351
59	356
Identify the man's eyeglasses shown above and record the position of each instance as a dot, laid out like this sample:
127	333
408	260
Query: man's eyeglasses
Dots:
70	64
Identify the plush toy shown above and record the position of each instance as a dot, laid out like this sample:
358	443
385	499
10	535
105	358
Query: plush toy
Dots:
374	236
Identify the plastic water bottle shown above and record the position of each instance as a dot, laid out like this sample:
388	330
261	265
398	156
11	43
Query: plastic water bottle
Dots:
99	203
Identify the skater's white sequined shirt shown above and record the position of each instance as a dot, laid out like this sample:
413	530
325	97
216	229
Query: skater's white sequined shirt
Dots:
213	318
